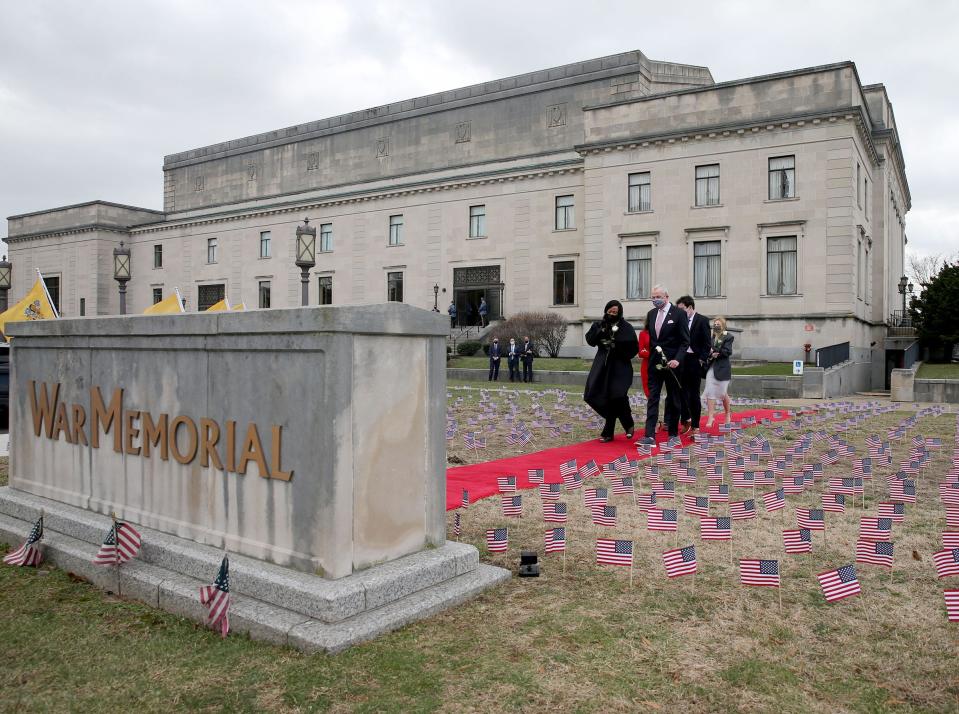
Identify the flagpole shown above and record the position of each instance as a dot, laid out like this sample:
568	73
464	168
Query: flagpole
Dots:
780	589
632	558
116	550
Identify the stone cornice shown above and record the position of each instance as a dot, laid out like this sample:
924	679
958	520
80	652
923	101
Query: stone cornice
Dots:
72	230
82	205
891	137
726	130
568	166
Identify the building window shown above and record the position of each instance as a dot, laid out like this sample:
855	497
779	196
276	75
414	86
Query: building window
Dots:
157	256
83	307
209	295
326	237
639	271
211	250
781	265
859	185
640	193
477	221
707	266
326	290
564	282
394	287
264	293
157	295
565	220
865	195
707	185
265	244
782	177
53	289
396	230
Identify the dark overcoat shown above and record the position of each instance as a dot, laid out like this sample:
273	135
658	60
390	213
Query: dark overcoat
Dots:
611	375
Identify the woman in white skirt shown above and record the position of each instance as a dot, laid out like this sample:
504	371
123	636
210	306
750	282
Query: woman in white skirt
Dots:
719	372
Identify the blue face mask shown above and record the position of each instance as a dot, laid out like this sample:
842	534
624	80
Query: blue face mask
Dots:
658	303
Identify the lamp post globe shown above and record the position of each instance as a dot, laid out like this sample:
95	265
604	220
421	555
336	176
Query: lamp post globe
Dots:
305	256
122	273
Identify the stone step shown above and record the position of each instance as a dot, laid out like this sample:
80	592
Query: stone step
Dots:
180	594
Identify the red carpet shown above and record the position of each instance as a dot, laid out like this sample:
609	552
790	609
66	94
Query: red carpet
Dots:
480	479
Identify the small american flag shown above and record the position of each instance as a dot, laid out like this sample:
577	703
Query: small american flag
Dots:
609	470
645	501
604	515
952	517
623	485
614	552
457	525
774	500
896	512
512	505
497	540
506	484
794	484
903	490
465	500
680	561
28	553
812	518
719	493
568	469
665	489
949	493
629	468
555	512
696	505
216	597
121	544
846	486
762	573
536	475
947	562
744	479
839	583
950	539
589	469
662	519
874	552
871	528
742	510
592	496
834	502
550	491
952	604
797	541
687	475
716	528
555	540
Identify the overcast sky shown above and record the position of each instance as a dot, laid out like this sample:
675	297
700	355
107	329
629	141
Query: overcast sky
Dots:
94	94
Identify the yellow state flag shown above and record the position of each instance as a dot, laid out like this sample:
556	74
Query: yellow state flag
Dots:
170	305
36	305
241	306
221	306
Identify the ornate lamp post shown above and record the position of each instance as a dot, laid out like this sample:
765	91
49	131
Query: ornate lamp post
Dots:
121	273
6	281
436	297
305	255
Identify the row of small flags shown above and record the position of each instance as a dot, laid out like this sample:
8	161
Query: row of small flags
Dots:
121	544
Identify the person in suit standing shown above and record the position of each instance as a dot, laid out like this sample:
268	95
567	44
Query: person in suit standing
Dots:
720	372
668	328
694	366
452	312
512	360
483	311
495	354
529	354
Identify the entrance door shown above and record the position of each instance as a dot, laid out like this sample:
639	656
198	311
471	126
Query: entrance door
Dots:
209	295
472	284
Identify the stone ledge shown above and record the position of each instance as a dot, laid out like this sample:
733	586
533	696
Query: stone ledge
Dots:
178	593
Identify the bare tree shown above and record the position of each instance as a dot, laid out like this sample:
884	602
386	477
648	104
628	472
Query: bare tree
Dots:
923	268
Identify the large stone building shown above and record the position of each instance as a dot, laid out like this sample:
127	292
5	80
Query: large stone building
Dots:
778	201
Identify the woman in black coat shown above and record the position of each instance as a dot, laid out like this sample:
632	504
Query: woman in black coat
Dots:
611	375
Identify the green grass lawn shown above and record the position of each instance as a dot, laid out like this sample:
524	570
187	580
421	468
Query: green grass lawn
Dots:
579	638
771	368
938	371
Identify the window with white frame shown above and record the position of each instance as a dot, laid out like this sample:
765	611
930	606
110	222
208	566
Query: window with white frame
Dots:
326	290
477	221
211	245
639	271
782	265
157	295
707	268
639	196
265	244
707	185
565	219
157	256
564	282
394	287
782	177
326	237
396	230
264	293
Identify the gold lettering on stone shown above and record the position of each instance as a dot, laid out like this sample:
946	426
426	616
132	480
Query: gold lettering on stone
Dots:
183	457
253	451
100	415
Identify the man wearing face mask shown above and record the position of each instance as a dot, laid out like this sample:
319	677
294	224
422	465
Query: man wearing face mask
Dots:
668	328
512	360
611	375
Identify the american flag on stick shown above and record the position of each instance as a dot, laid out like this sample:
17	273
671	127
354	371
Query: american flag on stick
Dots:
555	540
716	528
121	544
662	519
797	541
949	493
604	515
589	469
947	562
903	490
742	510
28	553
761	573
952	604
568	469
592	496
614	552
512	505
536	475
950	539
719	492
774	500
623	485
839	583
216	597
497	540
812	518
871	528
506	484
874	552
457	524
550	491
645	501
555	512
696	505
680	561
952	517
896	512
834	502
665	489
465	500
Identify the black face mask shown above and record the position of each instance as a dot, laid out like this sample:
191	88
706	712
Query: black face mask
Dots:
610	318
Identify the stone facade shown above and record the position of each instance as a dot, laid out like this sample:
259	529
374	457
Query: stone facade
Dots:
523	148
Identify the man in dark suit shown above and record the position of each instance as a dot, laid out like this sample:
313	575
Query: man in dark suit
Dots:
495	354
529	353
697	354
668	328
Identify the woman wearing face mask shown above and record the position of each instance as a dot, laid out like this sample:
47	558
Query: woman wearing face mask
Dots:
720	371
611	375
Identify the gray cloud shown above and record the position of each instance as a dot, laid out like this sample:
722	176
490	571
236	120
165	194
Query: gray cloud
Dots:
92	95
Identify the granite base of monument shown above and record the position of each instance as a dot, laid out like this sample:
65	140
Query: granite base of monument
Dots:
270	603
